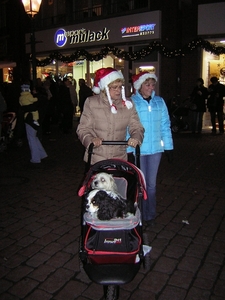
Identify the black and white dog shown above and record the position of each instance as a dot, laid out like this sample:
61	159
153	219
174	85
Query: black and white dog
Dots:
106	204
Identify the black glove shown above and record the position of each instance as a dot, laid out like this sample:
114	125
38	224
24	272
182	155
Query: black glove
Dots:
169	155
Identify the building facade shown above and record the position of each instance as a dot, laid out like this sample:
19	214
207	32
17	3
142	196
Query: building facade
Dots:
75	38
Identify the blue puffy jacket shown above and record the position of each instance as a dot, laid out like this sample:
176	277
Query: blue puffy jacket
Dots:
156	122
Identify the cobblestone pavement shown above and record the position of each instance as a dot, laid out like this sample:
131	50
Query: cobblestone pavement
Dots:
40	224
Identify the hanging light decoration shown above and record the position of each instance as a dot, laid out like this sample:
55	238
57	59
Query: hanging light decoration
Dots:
135	55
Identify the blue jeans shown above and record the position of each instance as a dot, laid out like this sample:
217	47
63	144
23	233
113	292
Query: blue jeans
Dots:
36	149
149	166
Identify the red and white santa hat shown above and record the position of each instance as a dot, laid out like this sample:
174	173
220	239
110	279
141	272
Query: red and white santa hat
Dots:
139	78
103	77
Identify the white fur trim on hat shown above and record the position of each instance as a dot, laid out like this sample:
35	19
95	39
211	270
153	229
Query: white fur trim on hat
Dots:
96	89
141	79
105	76
112	76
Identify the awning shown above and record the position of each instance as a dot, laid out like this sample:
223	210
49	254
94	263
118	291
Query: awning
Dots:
7	64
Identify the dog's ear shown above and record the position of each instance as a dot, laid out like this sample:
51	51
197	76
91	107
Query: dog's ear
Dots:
101	194
106	211
111	178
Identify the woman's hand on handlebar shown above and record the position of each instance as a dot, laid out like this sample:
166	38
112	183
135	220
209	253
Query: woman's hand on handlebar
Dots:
97	142
132	142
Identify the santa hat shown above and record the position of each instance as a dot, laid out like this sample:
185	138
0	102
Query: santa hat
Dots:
141	77
25	88
103	77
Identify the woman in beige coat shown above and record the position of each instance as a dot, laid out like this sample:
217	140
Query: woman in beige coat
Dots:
107	117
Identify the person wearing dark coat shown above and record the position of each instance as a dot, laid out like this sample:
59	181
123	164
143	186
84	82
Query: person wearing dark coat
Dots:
215	104
198	107
66	106
84	93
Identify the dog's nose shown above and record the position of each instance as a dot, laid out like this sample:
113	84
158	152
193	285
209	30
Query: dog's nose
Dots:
87	206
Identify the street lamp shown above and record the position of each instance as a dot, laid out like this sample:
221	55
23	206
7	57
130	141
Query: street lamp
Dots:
32	8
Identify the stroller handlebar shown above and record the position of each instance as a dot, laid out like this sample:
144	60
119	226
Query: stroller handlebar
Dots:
114	142
137	150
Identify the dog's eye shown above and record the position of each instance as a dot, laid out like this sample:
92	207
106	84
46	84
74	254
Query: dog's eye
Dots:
102	179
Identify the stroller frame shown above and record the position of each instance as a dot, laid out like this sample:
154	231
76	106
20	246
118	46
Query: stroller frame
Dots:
110	272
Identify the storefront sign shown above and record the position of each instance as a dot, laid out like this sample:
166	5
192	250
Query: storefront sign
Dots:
79	36
138	30
99	33
60	38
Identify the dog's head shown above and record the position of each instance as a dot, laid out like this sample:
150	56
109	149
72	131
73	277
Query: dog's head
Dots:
94	198
91	205
104	181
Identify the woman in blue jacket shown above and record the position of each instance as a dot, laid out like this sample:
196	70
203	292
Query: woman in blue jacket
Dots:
154	117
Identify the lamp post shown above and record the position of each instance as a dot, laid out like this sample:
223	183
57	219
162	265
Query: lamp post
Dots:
32	8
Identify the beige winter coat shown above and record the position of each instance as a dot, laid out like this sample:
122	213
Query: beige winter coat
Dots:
97	120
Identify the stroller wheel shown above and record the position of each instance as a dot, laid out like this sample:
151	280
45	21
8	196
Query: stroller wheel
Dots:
111	292
147	258
82	257
81	265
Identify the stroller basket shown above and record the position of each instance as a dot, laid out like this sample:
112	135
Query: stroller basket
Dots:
117	246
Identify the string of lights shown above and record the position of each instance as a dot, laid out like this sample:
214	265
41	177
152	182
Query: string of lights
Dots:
133	55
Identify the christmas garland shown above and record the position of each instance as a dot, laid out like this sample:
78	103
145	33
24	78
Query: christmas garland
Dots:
130	55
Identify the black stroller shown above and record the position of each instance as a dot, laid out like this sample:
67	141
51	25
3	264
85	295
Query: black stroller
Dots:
111	252
179	111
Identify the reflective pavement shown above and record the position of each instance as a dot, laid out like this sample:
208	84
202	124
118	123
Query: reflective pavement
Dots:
40	224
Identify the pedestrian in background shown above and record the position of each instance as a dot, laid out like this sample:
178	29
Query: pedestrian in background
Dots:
154	117
198	105
47	83
36	149
3	108
43	106
84	93
66	106
215	104
25	99
73	94
107	116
